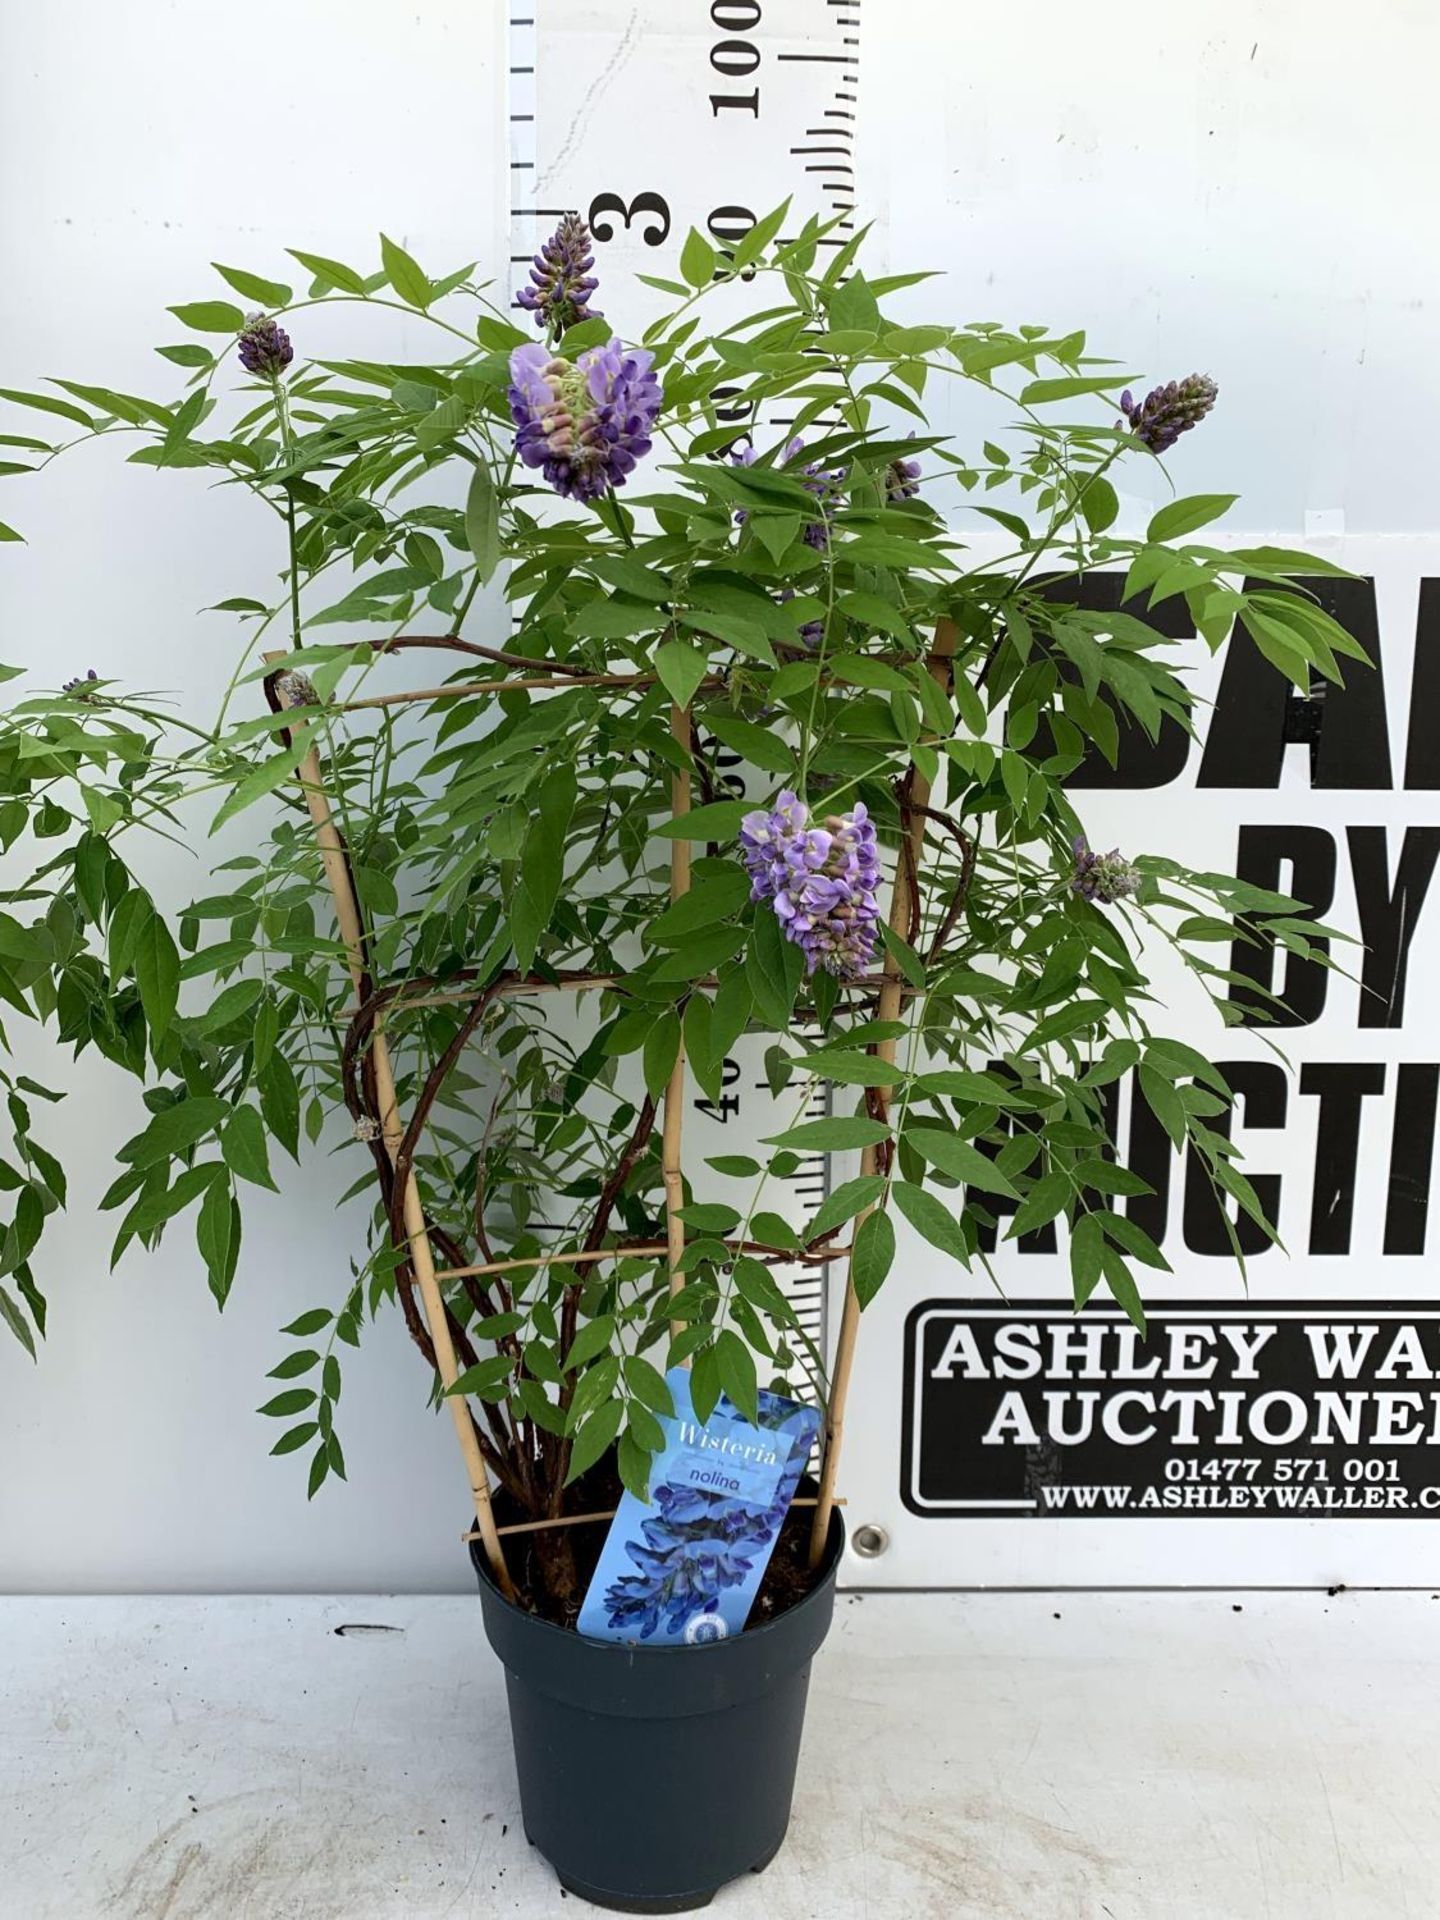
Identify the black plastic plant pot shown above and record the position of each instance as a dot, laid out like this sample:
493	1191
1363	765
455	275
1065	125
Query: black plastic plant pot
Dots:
649	1776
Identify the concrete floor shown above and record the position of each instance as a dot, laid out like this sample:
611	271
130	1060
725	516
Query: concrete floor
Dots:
968	1757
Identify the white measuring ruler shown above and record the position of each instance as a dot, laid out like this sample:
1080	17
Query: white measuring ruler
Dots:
649	117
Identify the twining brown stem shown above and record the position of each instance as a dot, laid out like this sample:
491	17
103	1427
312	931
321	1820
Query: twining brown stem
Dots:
969	846
479	689
452	643
903	904
336	865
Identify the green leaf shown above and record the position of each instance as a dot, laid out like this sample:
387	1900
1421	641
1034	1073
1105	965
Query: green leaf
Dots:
595	1438
405	275
296	1437
1099	503
268	293
1105	1177
230	1005
905	957
774	967
47	403
849	1198
301	1361
310	1322
1040	393
174	1130
1045	1199
16	1321
931	1219
959	1159
1087	1249
210	316
873	1255
242	1142
217	1234
333	272
156	963
697	260
263	779
681	668
1184	516
735	1365
280	1102
295	1400
831	1136
850	1069
699	954
712	899
648	1385
755	744
719	821
482	521
755	1283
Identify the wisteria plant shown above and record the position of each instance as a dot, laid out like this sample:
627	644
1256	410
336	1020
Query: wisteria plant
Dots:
737	737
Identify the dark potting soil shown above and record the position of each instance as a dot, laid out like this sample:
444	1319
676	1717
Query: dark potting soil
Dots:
552	1567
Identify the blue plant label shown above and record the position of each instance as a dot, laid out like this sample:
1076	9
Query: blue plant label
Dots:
686	1568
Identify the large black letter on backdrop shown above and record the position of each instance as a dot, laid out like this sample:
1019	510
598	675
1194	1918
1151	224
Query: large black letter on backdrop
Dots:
1261	854
1257	716
1422	748
1388	914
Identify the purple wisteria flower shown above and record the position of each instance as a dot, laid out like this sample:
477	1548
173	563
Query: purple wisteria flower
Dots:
584	424
902	480
824	484
823	882
264	346
810	632
562	279
1102	877
1167	412
80	685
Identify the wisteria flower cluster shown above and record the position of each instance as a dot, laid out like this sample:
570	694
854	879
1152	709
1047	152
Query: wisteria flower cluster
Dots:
1105	877
823	882
264	347
562	280
824	483
584	424
1166	412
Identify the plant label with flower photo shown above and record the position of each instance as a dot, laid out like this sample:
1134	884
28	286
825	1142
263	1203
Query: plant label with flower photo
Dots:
684	1570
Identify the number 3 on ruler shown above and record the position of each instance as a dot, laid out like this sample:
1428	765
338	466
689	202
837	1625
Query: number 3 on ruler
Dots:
644	203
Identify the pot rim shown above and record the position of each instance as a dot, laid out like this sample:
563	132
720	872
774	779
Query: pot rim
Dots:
829	1568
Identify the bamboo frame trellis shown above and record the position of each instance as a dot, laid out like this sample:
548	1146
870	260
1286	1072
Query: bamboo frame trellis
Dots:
892	992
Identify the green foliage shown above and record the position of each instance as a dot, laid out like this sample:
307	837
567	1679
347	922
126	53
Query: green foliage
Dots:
519	835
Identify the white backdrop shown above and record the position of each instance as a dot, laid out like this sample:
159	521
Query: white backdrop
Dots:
1241	199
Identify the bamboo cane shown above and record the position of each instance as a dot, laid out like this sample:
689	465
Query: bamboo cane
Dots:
670	1160
888	1006
347	914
